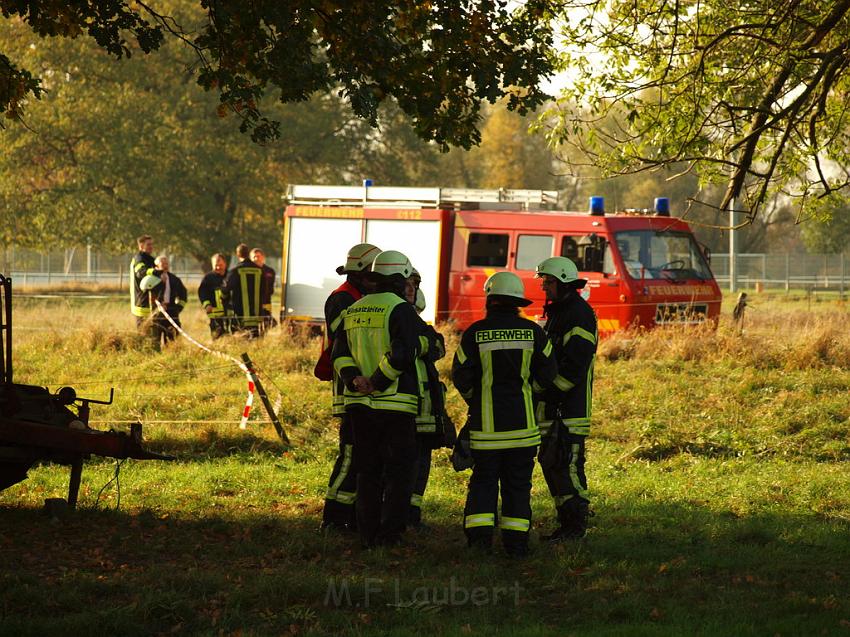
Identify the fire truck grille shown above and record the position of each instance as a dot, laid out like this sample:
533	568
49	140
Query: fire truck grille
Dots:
680	313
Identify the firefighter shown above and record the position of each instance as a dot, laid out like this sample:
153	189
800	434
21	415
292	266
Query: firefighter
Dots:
243	285
142	265
498	360
258	258
339	512
374	353
434	429
173	299
211	294
563	412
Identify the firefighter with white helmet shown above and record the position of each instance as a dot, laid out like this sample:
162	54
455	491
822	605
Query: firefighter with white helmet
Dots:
341	494
499	359
563	412
374	353
142	266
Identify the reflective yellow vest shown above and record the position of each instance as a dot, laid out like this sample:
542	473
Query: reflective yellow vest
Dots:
367	329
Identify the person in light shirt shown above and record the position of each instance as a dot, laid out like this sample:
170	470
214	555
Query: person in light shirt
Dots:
173	298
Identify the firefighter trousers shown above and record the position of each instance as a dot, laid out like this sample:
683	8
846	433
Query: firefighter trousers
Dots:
422	470
342	485
384	453
155	327
219	327
163	330
565	477
510	470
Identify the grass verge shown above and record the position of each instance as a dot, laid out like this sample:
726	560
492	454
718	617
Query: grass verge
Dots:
717	466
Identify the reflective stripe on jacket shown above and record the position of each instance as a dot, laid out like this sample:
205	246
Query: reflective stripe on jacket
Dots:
431	395
267	291
493	369
211	294
243	285
571	326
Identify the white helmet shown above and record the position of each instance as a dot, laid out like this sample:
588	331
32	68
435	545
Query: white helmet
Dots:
419	304
506	284
562	269
392	262
359	258
149	283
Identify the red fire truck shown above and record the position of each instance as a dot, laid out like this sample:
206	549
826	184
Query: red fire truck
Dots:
644	267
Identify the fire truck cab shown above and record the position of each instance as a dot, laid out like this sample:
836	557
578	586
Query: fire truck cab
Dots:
643	267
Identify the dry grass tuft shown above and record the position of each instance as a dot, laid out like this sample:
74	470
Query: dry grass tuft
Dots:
792	340
822	346
74	287
620	346
99	339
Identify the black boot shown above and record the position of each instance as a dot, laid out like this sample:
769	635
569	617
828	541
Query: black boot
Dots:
572	516
517	551
480	543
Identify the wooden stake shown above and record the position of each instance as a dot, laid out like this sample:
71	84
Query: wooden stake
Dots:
266	403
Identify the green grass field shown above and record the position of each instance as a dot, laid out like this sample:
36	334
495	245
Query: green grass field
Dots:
718	466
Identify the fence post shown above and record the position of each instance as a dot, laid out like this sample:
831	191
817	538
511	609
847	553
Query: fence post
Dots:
764	271
733	247
826	271
787	272
843	274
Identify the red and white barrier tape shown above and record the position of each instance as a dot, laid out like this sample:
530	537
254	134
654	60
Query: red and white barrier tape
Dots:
248	401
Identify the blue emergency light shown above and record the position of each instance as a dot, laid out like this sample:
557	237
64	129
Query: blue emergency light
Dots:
597	206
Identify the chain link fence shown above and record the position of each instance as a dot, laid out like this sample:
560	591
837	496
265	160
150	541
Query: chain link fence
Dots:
31	268
808	272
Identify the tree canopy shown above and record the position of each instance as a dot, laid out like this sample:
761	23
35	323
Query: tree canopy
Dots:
752	95
830	231
439	60
115	150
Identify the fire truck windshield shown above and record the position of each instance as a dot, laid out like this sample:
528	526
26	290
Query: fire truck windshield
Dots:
653	254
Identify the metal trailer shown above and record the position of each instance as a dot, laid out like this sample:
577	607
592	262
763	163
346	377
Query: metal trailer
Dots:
37	426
